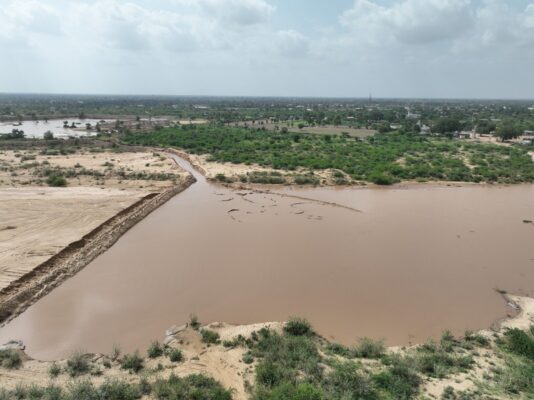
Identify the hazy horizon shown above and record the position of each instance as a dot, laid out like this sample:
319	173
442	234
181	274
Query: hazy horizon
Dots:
401	49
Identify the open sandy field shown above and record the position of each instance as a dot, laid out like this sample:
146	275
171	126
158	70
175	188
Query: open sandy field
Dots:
36	223
124	170
317	130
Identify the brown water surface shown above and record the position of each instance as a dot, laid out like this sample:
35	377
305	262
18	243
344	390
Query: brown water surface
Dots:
413	262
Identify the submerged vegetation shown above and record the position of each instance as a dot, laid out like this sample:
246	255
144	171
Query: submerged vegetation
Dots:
383	158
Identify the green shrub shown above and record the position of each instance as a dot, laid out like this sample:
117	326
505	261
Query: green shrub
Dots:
56	181
132	362
155	350
369	348
400	379
54	370
115	389
476	339
209	337
270	374
289	391
78	364
82	390
193	322
519	342
10	359
192	387
298	327
348	382
380	178
175	355
339	350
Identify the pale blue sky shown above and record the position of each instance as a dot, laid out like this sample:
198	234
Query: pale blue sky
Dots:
392	48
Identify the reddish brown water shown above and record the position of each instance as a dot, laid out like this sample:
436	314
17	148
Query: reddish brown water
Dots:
413	262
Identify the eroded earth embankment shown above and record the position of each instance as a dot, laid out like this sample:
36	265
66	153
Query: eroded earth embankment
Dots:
23	292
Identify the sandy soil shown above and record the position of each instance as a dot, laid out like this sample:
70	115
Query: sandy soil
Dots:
232	171
26	167
35	223
317	130
223	364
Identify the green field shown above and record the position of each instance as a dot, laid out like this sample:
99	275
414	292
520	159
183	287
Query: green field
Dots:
381	159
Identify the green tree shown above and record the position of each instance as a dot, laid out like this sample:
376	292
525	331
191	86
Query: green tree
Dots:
507	130
447	125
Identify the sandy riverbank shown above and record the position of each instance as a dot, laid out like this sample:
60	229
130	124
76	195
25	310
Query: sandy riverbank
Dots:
226	365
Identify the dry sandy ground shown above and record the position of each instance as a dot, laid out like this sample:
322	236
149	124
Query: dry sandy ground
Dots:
211	169
22	168
36	222
223	364
317	130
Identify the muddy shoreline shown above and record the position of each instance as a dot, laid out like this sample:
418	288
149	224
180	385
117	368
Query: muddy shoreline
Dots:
22	293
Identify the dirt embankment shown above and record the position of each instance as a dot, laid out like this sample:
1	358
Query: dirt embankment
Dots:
23	292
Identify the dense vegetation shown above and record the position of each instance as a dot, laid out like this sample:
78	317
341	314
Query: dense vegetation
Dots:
382	159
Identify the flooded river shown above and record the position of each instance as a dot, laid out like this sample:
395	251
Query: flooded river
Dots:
36	129
402	264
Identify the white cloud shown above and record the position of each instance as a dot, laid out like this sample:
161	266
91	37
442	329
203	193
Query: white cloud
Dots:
19	18
410	21
291	43
239	12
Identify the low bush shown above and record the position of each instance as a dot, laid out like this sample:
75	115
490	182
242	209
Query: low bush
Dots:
176	355
194	322
209	337
54	370
10	359
519	342
56	181
298	327
155	350
115	389
348	381
369	348
400	379
78	364
132	362
193	387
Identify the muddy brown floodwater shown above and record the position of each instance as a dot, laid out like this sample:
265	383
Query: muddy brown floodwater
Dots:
412	263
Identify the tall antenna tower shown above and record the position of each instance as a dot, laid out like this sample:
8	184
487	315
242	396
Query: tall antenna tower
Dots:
370	98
